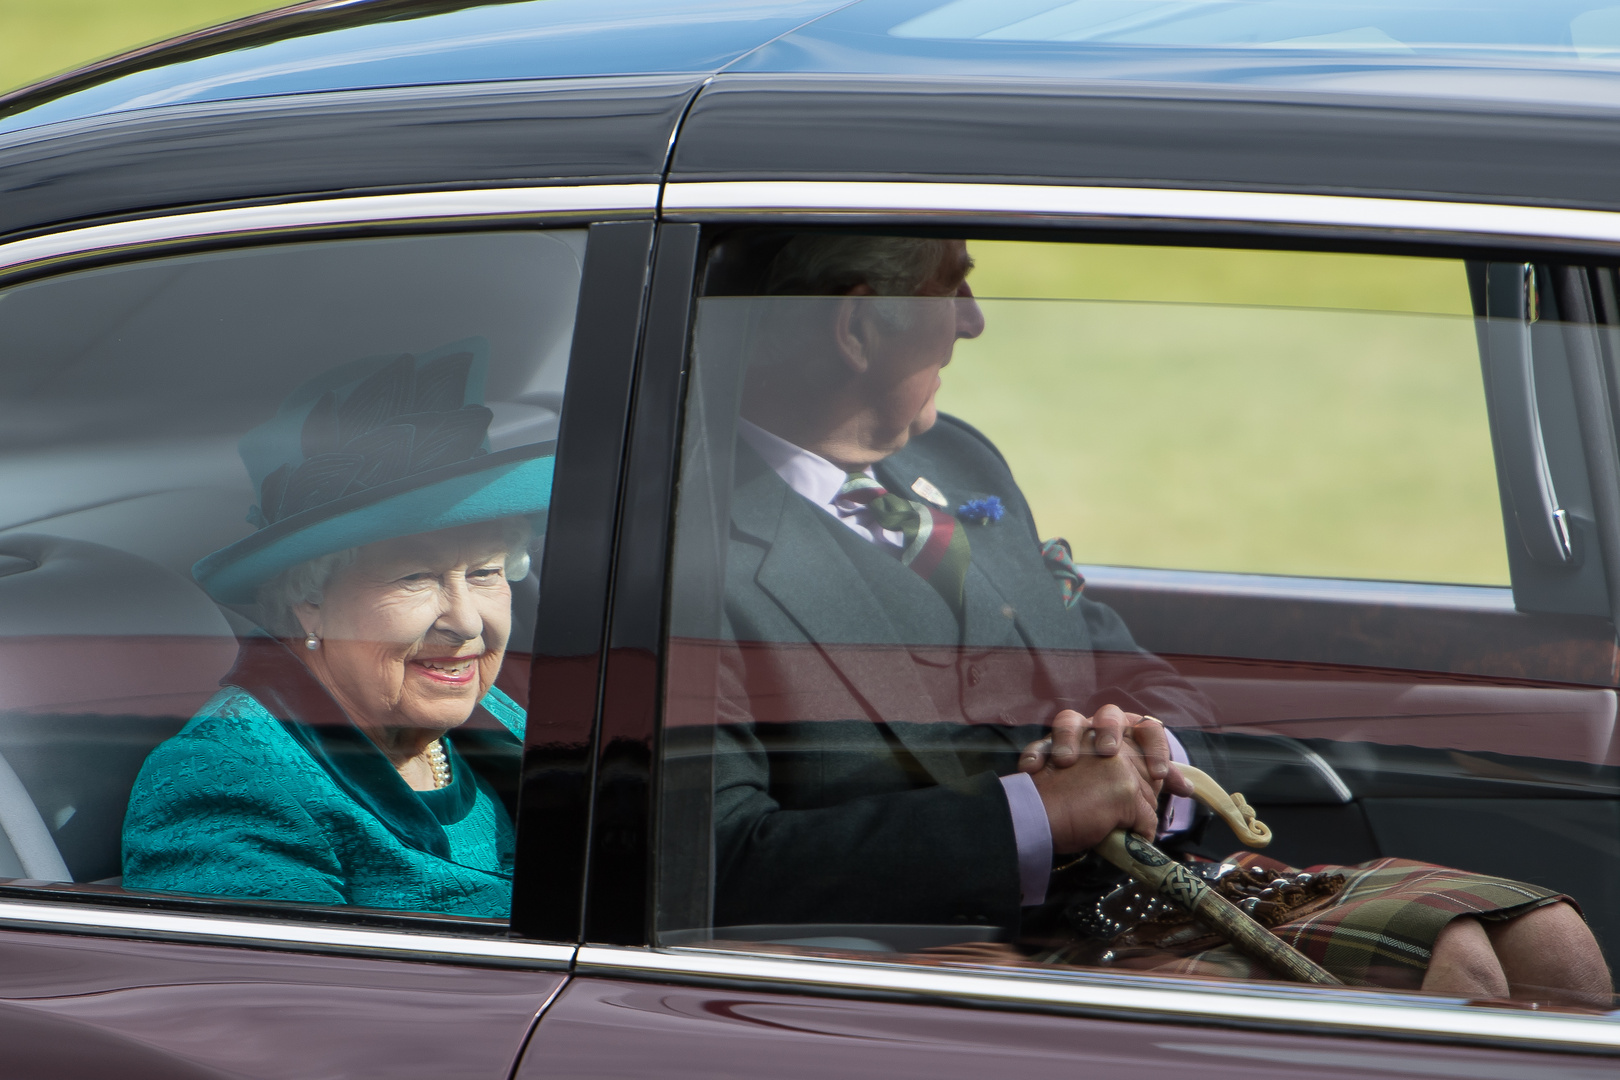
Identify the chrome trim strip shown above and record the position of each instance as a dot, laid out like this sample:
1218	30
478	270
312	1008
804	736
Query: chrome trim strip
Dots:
483	203
287	935
690	200
1127	997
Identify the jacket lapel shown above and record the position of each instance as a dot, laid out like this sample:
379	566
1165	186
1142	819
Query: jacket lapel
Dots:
1064	655
988	618
809	575
1006	558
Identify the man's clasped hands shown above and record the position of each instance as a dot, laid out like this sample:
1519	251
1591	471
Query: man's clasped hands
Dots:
1100	773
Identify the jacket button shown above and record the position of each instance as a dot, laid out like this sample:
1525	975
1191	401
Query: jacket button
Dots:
974	675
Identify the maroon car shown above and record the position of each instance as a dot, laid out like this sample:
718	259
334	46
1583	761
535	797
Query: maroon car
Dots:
1282	406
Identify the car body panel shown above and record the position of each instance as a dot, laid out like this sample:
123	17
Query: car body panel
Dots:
615	905
87	1006
849	128
598	1026
554	812
607	131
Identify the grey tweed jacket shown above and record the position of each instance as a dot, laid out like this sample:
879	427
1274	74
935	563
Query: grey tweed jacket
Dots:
865	725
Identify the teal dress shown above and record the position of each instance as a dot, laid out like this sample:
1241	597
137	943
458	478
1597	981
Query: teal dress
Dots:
271	794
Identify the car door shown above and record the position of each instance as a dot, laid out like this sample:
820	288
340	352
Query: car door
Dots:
1389	400
147	326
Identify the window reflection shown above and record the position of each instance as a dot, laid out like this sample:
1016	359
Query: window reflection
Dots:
210	462
898	707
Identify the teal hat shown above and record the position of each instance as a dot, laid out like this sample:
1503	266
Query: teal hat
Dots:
372	450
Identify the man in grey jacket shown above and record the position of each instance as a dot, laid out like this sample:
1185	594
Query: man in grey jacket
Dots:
918	708
901	640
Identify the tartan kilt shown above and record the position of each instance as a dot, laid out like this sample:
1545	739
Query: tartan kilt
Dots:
1379	930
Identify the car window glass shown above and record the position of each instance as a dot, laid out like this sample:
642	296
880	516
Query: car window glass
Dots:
272	521
1266	412
1319	525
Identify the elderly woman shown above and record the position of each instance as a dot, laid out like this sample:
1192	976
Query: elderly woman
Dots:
325	770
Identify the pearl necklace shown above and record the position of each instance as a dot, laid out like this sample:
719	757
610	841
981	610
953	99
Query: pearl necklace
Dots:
439	762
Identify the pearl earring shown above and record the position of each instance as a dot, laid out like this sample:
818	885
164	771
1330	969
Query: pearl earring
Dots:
312	642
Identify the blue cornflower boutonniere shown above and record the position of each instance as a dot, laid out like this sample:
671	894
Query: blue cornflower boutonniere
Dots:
983	511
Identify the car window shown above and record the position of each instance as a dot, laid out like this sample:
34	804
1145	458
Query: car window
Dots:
272	520
978	538
1266	412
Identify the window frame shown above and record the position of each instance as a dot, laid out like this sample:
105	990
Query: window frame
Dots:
620	946
529	939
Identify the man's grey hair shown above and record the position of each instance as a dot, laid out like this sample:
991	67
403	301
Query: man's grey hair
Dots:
307	582
830	264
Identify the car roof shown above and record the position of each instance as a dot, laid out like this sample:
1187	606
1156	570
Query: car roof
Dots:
1564	51
358	44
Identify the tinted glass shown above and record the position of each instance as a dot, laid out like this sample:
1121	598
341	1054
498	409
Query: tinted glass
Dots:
271	518
1329	519
1268	412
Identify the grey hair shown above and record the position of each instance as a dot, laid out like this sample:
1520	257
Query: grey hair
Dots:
829	264
307	582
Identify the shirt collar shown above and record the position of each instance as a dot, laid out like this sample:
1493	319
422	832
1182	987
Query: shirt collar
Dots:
811	475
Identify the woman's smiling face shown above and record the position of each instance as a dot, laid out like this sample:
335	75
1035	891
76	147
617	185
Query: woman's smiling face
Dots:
413	631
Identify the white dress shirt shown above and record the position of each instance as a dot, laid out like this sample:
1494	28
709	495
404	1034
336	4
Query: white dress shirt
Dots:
819	480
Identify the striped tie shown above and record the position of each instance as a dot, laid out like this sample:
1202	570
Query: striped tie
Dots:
936	546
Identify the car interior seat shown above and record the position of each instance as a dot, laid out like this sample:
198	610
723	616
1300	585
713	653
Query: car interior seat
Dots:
103	655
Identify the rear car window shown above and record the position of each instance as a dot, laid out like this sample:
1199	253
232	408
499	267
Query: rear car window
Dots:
1325	517
271	522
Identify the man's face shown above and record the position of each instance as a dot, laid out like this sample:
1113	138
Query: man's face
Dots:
905	363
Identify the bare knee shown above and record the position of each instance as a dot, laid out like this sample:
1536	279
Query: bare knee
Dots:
1550	954
1464	964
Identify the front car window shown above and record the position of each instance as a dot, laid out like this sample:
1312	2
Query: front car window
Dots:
272	519
976	539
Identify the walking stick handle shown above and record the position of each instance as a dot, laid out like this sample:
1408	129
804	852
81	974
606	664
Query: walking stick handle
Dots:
1168	878
1232	809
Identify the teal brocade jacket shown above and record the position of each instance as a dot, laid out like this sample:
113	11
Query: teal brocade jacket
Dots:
273	795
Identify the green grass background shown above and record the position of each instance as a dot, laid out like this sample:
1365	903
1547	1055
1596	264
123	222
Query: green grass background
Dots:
1270	412
1294	413
39	38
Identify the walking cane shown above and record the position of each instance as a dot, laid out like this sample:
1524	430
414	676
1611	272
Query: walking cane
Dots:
1170	879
